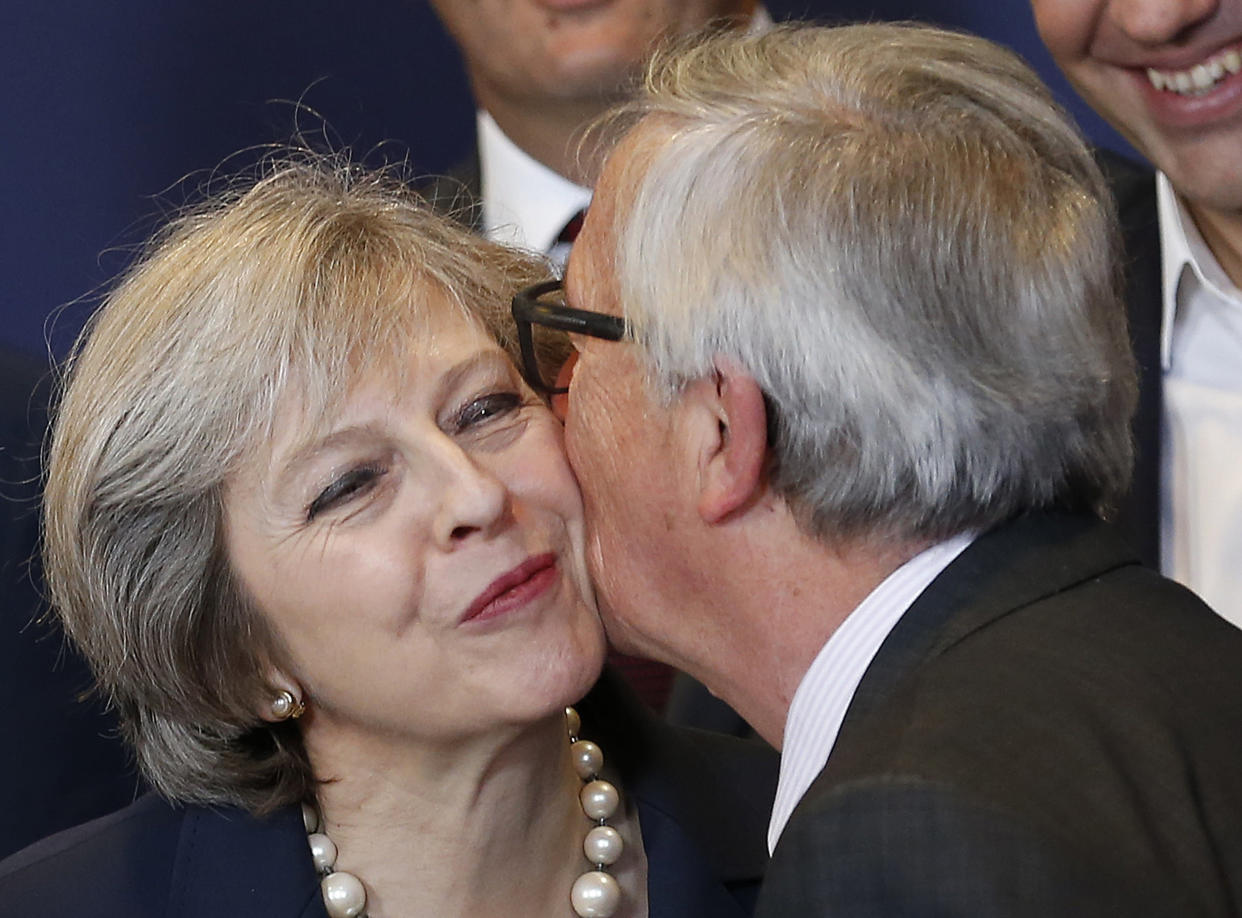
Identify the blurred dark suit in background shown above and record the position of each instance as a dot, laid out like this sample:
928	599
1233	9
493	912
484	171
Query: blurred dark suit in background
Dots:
60	762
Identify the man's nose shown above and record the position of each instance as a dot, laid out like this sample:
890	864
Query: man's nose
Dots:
1158	22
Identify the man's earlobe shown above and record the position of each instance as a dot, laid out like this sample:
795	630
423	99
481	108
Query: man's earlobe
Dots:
731	477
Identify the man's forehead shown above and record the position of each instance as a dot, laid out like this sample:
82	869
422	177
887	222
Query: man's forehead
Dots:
593	260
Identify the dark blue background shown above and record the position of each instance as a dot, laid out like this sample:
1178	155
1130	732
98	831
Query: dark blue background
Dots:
113	111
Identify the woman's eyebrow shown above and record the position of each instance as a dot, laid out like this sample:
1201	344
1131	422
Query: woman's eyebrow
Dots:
493	361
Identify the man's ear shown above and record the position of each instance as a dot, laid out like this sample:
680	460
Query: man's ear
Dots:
731	458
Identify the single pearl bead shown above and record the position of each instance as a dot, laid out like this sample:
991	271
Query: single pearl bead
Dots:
283	706
603	845
595	895
573	723
343	895
588	758
323	852
599	799
310	818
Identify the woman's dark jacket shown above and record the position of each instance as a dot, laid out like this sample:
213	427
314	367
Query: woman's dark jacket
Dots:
703	802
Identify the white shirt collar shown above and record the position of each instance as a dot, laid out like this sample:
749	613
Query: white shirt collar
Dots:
1182	247
826	690
524	202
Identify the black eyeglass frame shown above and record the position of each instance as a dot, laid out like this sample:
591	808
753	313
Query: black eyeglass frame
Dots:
528	311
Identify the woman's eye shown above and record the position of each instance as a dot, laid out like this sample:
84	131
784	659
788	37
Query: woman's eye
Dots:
485	408
355	482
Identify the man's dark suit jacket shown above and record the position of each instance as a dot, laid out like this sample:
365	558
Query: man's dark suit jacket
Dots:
60	763
1134	188
1051	729
702	800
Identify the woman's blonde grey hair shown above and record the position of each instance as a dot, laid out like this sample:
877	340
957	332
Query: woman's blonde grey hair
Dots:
907	243
297	282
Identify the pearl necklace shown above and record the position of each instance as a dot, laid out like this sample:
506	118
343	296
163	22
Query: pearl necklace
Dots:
595	894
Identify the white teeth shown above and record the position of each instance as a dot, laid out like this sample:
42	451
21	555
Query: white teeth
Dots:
1200	78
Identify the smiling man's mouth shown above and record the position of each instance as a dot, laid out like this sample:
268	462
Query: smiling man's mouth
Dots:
1201	78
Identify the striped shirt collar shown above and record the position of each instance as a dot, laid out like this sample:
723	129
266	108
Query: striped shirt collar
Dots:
1183	250
825	692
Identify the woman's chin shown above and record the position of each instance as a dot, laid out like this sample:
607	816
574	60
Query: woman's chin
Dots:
566	680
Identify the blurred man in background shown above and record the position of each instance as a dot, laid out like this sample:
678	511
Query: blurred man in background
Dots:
1166	73
540	71
60	762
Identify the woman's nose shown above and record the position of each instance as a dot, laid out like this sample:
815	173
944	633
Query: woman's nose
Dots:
1158	22
473	502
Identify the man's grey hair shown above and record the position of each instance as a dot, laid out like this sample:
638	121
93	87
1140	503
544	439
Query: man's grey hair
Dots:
906	242
290	286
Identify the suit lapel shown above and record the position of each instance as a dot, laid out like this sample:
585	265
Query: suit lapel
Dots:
1135	191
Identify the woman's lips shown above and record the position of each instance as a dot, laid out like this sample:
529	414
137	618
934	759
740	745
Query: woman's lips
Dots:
514	589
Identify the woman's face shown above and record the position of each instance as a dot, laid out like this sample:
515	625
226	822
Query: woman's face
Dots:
420	555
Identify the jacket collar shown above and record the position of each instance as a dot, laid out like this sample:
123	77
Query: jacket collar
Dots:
230	863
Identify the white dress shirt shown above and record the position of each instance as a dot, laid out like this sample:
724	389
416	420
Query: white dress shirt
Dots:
525	203
1201	455
825	692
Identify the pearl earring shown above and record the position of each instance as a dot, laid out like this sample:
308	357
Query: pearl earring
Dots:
285	706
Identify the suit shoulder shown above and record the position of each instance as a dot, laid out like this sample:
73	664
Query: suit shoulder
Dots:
119	862
904	846
1115	671
1100	719
1129	629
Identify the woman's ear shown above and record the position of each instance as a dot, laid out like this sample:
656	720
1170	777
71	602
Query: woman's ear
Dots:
284	699
733	455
